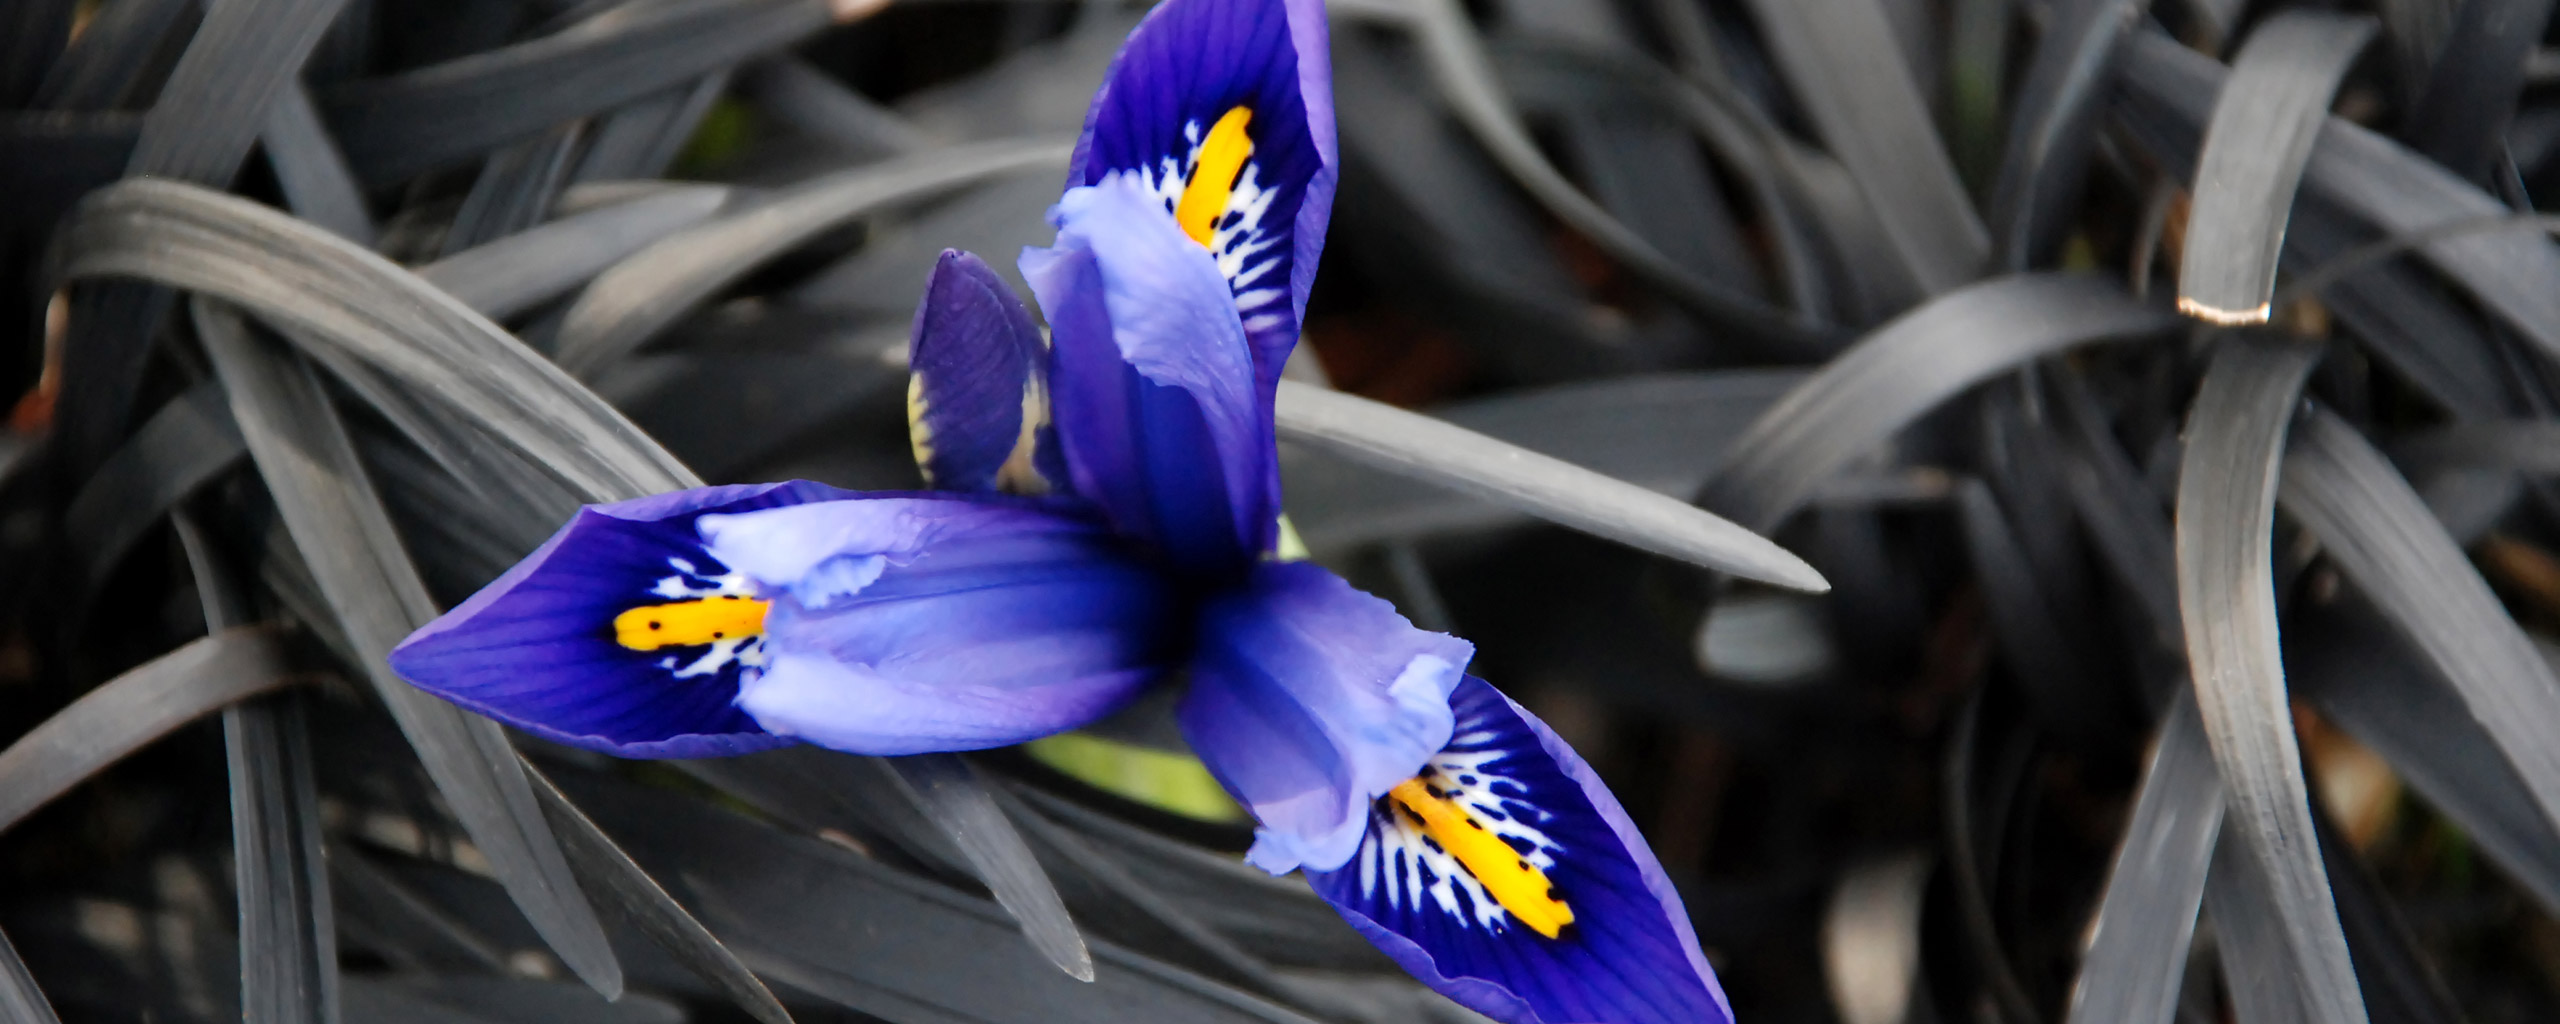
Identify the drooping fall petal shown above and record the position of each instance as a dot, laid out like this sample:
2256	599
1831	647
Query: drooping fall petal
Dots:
620	634
1308	701
912	623
1507	877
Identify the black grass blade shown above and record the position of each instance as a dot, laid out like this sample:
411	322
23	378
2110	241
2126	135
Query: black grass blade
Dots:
2460	117
2168	91
135	708
649	908
952	796
433	117
2047	153
1879	127
1456	60
21	1002
2259	971
2226	594
1905	368
1418	446
803	912
2353	667
185	445
2137	955
641	295
313	175
372	590
324	288
288	933
2271	108
2382	535
1665	432
513	274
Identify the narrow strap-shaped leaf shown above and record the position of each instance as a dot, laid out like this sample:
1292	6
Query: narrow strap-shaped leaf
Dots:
182	447
2137	955
809	913
200	127
111	50
2528	446
1456	59
2258	969
2226	594
789	90
244	55
952	796
308	166
514	188
288	934
2167	92
288	944
133	709
1905	368
2460	116
1841	59
2380	533
2366	680
354	555
1665	431
642	138
2260	137
649	908
431	117
2036	646
21	1002
1411	444
513	274
1174	933
2125	516
327	289
32	35
2049	135
640	296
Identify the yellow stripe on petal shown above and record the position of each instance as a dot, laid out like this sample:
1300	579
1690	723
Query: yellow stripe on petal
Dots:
1213	176
694	623
1509	878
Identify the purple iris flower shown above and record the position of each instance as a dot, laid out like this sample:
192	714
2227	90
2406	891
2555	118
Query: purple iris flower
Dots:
1106	507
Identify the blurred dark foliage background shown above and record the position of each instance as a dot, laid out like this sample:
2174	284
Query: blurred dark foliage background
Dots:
2171	670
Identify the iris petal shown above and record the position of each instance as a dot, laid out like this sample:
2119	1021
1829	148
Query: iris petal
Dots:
1188	68
906	624
1158	413
539	648
1309	700
1628	955
978	402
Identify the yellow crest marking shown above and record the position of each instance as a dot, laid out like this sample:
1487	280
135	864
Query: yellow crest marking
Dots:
689	623
1213	178
1511	880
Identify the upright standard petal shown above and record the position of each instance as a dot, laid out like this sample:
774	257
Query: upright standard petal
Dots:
912	623
1153	387
1310	700
978	397
620	634
1223	109
1505	876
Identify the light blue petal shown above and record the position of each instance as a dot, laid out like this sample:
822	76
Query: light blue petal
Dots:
1308	700
905	624
1152	385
